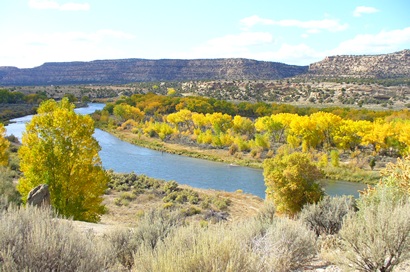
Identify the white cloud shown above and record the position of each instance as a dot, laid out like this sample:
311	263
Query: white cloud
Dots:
382	42
312	26
362	9
51	4
33	49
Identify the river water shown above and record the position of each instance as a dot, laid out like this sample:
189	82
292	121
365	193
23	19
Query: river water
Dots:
124	157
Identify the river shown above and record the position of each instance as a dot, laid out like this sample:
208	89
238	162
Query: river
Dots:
121	156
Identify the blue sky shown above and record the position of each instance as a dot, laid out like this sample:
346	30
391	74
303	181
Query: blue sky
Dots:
293	32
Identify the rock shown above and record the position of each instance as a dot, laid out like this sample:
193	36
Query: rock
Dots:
394	65
39	196
123	71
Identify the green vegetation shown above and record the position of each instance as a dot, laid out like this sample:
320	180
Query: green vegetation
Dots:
184	201
58	149
15	104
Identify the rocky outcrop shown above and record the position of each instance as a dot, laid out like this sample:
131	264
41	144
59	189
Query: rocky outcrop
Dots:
394	65
143	70
39	196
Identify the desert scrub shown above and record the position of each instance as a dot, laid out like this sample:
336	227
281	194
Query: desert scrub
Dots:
195	248
377	237
326	216
32	239
287	245
132	182
8	192
247	246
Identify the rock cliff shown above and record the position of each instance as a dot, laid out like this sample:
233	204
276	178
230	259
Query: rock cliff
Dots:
143	70
394	65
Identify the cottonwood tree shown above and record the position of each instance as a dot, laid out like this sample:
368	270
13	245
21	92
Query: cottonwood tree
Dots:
291	182
4	146
58	149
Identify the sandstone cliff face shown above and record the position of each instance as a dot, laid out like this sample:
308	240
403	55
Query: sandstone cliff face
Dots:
142	70
392	65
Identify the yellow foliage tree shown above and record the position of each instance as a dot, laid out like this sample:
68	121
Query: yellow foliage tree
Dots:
4	146
291	182
58	149
126	112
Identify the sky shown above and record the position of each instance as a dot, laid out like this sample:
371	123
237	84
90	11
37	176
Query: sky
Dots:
297	32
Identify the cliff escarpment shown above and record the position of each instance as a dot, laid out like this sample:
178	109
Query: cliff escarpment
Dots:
143	70
394	65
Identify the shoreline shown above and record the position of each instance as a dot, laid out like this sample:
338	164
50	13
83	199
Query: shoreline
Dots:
369	177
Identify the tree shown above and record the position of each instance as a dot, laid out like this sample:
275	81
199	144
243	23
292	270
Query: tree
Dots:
291	182
4	146
58	149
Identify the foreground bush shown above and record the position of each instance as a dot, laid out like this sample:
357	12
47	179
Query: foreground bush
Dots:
326	217
197	249
32	240
258	245
376	238
287	245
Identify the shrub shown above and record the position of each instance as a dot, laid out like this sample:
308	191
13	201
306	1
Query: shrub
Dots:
123	245
155	226
195	248
287	245
326	217
334	157
32	240
8	192
170	186
233	149
376	238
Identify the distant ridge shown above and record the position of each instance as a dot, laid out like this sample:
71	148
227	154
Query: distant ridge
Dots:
393	65
121	71
143	70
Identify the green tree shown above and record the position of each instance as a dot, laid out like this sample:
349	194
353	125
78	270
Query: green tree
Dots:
291	182
58	149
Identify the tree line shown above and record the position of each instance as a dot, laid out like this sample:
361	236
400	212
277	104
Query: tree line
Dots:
258	127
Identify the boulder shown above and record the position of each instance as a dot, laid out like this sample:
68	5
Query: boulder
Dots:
39	196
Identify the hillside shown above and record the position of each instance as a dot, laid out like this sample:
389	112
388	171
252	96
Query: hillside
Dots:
394	65
123	71
143	70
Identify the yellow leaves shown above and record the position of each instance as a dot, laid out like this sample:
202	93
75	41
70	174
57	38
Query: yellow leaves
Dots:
376	134
4	146
397	175
126	112
58	149
290	181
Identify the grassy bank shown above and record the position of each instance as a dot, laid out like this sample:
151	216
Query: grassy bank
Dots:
217	155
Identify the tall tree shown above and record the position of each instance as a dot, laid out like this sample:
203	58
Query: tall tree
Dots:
58	149
291	182
4	146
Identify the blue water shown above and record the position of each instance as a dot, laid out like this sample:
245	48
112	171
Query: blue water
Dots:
124	157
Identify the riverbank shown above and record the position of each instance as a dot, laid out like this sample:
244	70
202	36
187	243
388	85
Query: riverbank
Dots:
347	171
